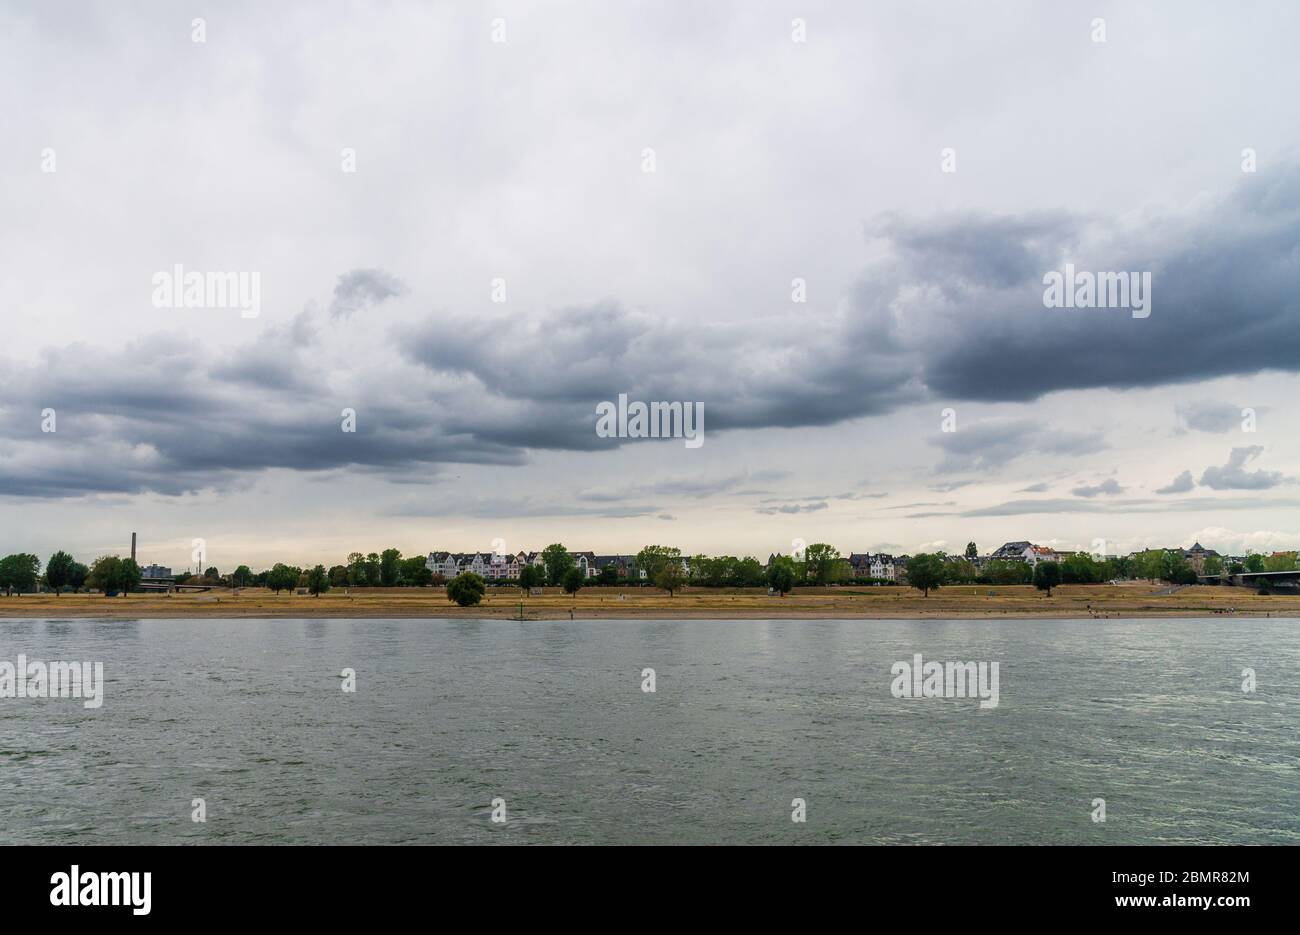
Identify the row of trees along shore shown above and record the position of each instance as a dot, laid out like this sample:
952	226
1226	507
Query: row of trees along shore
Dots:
820	565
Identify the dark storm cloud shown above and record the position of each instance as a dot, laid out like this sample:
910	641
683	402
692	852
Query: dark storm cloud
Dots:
1224	297
147	418
272	363
977	251
812	373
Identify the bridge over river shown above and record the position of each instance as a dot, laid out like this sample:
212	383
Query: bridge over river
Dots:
1280	580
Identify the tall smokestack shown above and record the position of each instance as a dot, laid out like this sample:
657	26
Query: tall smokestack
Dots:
133	547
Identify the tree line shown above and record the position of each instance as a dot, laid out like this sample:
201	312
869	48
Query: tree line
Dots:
819	565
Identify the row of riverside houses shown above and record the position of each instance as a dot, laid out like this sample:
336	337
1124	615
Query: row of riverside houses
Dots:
881	566
1024	551
886	567
493	566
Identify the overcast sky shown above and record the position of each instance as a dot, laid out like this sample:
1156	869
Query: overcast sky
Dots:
524	161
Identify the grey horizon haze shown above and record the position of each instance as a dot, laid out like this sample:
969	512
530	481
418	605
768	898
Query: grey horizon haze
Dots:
471	225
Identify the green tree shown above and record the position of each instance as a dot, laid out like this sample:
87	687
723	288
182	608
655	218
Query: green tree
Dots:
1175	570
1047	575
415	571
282	577
1213	565
573	580
971	551
1003	571
821	562
389	567
318	580
961	571
1280	561
103	574
720	572
1254	562
339	576
77	576
557	561
608	576
58	571
466	588
1082	568
780	575
925	572
356	569
670	577
531	576
110	573
129	575
210	573
702	567
372	567
1149	564
19	572
241	577
748	573
651	558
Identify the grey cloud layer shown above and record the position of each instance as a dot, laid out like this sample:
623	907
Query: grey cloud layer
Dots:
1234	476
1109	487
952	312
1117	507
1180	484
777	373
1209	416
362	288
991	444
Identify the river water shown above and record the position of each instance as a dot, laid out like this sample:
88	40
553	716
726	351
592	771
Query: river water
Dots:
550	720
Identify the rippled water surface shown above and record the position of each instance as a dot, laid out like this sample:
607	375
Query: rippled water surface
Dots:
748	715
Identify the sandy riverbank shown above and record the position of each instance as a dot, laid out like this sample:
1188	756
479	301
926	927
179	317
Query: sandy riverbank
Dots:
966	601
